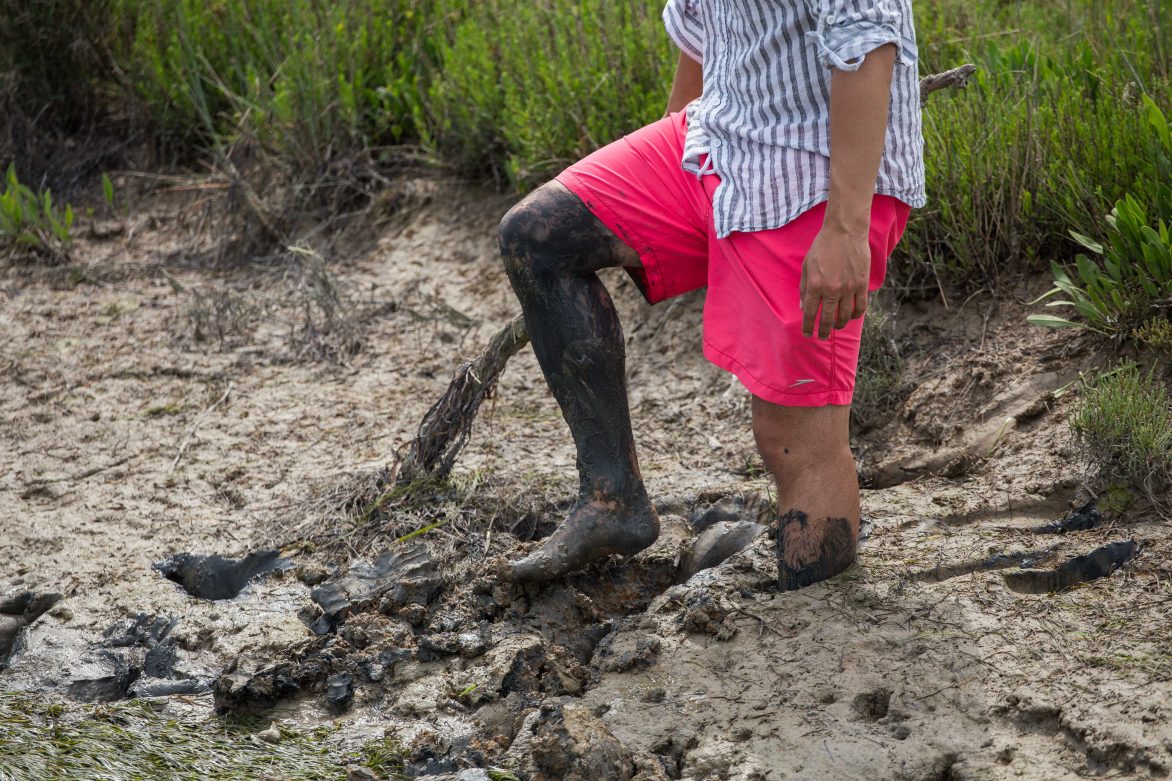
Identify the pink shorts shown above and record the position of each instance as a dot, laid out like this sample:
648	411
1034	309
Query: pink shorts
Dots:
752	317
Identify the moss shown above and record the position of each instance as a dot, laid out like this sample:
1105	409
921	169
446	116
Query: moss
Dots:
135	741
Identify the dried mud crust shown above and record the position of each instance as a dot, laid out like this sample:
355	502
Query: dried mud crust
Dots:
880	672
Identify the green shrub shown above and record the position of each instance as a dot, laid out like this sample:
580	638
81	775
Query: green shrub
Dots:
1124	425
1131	282
1056	128
30	223
310	80
1155	333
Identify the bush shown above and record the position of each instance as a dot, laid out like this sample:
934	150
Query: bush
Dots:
1125	427
56	53
309	80
1054	130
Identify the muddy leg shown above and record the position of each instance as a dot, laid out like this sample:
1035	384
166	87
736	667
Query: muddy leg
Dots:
808	452
552	246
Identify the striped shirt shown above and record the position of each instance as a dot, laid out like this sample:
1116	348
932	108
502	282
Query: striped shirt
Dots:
764	116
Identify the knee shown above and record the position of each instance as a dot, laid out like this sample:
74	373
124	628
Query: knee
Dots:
792	441
526	232
516	229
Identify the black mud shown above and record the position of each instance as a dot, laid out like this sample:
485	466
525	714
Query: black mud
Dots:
215	577
1099	563
1083	519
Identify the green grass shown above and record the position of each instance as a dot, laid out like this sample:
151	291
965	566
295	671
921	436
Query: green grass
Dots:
307	81
1124	425
47	741
525	89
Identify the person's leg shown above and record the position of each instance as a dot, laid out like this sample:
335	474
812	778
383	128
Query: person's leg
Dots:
552	245
808	452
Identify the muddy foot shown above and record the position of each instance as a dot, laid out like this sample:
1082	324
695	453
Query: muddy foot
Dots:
809	552
594	530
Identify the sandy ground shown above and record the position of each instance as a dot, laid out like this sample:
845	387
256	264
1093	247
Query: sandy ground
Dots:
123	440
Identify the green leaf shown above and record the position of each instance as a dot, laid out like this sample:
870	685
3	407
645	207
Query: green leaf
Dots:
1053	321
1087	242
108	190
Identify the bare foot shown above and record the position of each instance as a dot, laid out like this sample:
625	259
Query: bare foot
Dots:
596	528
810	551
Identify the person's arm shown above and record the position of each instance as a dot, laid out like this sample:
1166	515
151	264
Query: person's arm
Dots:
687	84
837	268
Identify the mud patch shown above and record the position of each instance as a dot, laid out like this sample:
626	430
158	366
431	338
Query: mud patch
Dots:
1084	518
1099	563
215	577
18	611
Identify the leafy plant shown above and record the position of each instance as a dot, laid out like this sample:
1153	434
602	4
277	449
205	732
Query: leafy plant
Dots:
1118	293
1125	427
31	223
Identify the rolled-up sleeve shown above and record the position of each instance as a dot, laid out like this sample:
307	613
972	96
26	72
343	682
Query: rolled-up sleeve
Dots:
846	32
682	20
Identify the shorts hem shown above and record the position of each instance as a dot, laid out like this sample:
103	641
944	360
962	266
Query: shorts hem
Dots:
649	278
839	397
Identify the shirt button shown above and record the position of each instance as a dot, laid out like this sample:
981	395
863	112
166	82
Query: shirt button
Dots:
716	142
831	18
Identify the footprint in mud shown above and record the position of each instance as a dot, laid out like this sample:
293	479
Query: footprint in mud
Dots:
1099	563
215	577
18	611
718	542
997	562
1083	519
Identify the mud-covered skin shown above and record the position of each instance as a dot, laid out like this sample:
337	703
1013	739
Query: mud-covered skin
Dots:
808	553
552	248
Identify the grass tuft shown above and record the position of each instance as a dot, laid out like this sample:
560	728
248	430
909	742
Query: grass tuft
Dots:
1124	426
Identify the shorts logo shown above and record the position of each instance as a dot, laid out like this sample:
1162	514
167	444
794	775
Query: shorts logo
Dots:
799	382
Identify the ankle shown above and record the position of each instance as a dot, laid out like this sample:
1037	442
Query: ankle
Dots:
624	489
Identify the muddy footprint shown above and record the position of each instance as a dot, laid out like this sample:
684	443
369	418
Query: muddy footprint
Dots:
18	611
1099	563
215	577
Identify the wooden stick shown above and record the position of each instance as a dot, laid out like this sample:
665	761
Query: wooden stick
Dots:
957	78
194	426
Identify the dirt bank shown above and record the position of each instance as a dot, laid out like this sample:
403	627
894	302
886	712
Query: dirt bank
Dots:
126	441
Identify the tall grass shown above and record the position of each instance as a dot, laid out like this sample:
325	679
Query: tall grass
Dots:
1047	139
310	80
524	89
1052	133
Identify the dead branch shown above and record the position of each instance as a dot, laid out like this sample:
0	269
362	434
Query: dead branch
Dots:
448	424
957	78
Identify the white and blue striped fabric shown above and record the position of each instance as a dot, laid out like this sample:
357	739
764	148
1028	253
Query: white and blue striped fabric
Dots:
764	116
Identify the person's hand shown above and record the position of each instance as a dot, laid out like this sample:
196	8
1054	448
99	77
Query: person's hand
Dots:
835	276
